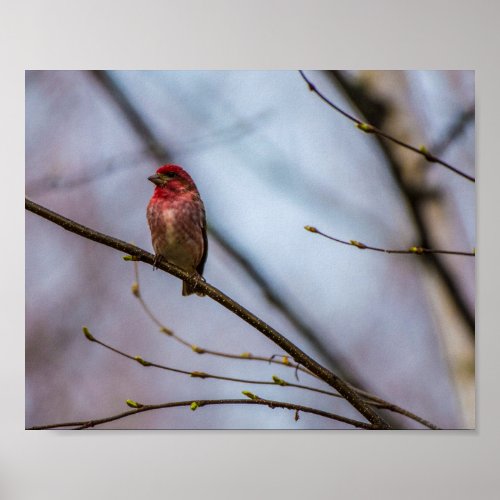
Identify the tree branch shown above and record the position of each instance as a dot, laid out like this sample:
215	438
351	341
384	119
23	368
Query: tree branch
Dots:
136	291
204	375
371	129
411	251
301	357
414	203
369	398
85	424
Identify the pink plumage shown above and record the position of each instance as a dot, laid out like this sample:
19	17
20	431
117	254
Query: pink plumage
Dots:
176	218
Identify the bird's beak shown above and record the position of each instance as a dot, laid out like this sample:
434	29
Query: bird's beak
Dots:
155	179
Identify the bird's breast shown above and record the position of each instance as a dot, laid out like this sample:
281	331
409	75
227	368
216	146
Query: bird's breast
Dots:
176	233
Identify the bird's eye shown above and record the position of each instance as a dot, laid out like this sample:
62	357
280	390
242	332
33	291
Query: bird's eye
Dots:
171	175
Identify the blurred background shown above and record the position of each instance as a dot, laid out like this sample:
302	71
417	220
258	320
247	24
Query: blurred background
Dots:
268	157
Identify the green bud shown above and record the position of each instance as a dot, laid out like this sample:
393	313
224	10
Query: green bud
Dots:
427	154
357	244
194	406
418	250
311	229
196	374
87	334
142	361
278	380
129	258
133	404
365	127
135	289
250	395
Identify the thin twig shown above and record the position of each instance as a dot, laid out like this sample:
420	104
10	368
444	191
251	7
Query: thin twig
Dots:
384	405
204	375
411	251
417	211
371	129
300	356
369	398
136	290
85	424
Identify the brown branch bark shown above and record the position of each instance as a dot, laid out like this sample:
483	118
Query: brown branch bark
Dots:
204	375
414	203
298	355
411	251
372	129
86	424
277	381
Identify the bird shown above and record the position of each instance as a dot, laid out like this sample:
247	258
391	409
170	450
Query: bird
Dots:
177	221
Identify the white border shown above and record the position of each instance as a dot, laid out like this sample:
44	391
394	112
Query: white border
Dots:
266	34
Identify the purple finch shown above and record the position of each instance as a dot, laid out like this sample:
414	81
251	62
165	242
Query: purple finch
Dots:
176	218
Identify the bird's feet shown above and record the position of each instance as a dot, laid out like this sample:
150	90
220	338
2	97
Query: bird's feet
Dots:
157	260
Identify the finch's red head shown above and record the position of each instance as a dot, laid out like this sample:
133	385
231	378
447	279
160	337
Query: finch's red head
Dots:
172	178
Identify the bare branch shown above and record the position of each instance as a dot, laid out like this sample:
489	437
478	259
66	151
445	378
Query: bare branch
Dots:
369	398
283	361
85	424
417	210
411	251
371	129
204	375
300	356
384	405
